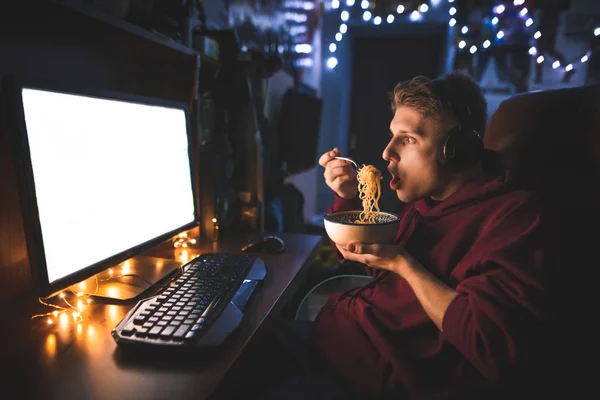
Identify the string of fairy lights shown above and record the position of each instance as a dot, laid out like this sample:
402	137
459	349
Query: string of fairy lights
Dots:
407	13
69	306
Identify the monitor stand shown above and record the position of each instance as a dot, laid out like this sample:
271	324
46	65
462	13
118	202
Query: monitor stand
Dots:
128	280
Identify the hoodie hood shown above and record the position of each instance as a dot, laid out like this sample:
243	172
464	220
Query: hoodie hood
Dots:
496	181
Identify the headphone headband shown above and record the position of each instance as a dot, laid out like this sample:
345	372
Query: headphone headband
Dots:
462	145
462	111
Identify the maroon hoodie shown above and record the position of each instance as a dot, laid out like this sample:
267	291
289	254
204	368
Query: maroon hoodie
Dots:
486	242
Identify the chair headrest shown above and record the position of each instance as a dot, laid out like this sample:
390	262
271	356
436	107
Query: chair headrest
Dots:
550	136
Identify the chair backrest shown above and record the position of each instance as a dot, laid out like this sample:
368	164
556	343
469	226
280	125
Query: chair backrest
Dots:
552	139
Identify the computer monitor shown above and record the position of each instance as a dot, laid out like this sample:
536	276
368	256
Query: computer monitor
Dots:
102	177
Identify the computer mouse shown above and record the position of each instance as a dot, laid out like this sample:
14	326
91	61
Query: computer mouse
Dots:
265	244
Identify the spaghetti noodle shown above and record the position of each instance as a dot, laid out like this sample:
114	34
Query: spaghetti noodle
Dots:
369	189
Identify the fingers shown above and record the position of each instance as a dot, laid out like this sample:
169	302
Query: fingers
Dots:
362	248
342	174
328	156
354	248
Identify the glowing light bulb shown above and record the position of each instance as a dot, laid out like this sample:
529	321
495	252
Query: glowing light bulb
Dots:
55	313
125	267
184	256
50	322
50	345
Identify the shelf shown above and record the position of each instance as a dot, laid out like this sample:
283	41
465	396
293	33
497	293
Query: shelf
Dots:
91	12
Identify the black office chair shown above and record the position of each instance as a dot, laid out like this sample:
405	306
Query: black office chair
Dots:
552	138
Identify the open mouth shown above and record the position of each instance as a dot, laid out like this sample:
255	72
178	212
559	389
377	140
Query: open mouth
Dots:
394	181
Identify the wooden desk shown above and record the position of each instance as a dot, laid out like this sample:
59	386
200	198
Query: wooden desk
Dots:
83	362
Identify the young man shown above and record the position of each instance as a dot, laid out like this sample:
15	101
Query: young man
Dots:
457	306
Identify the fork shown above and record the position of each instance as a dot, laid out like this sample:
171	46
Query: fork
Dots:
354	164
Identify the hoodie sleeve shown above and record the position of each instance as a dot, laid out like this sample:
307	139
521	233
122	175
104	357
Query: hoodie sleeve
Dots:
340	204
496	321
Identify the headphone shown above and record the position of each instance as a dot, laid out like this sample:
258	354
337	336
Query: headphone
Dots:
462	146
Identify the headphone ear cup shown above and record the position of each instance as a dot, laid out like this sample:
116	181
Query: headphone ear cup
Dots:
460	148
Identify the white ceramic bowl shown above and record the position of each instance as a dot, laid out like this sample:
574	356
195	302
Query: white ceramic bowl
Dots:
341	227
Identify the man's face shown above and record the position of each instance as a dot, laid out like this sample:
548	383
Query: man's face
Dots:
412	155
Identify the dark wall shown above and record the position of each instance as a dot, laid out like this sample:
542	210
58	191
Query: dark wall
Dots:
48	42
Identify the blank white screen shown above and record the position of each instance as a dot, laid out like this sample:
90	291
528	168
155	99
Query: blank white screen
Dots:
109	175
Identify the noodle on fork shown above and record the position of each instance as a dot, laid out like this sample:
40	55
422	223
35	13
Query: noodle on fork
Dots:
369	189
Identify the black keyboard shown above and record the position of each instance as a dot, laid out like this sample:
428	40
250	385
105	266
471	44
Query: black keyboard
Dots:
201	308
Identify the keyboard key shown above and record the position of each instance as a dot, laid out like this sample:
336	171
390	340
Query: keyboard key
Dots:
196	327
155	331
180	332
142	332
128	330
190	335
166	333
